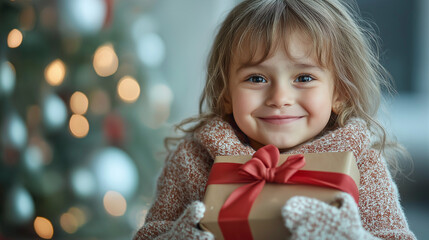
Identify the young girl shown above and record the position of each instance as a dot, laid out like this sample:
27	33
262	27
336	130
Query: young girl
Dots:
301	75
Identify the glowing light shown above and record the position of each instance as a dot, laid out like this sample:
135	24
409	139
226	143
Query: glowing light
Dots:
115	170
79	103
7	78
33	158
79	215
19	205
43	227
100	102
69	223
14	39
84	16
72	220
15	132
128	89
55	72
160	97
151	49
54	111
79	126
83	182
114	203
105	60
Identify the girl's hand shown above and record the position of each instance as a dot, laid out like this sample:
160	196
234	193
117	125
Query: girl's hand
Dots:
308	218
185	227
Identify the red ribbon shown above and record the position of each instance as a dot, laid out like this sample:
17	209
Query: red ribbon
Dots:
256	172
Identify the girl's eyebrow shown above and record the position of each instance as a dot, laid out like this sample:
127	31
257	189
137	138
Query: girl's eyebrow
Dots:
309	66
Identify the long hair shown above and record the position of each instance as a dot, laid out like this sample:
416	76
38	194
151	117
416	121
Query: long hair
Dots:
341	41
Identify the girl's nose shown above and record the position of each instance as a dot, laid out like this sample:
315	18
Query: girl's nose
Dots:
280	95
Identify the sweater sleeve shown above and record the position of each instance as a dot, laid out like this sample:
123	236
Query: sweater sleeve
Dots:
380	210
181	182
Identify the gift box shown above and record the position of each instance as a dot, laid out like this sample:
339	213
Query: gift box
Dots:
245	194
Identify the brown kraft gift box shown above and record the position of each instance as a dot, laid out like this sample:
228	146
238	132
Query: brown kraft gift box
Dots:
265	218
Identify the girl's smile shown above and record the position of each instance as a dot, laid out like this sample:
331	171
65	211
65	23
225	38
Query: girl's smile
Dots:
280	119
284	100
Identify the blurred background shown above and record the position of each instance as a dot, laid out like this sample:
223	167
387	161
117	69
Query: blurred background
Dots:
90	88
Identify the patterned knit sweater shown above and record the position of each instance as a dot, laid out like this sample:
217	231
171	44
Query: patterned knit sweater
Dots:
184	177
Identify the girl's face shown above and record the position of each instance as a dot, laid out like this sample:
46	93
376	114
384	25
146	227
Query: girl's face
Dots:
286	99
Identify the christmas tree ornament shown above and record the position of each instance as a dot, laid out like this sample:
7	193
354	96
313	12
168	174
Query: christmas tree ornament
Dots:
114	129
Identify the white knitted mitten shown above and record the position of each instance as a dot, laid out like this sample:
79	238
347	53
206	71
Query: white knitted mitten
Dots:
308	218
185	227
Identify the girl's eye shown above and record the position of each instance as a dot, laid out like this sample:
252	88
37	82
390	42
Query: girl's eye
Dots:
304	78
256	79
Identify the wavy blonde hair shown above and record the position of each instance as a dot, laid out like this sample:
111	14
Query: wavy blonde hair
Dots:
341	41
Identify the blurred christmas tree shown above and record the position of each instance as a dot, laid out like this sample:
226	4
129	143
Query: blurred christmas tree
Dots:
83	114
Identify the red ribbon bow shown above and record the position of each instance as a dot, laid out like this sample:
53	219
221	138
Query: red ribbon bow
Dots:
256	172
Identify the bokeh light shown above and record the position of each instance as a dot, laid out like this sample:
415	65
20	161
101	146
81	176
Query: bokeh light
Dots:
83	182
158	105
72	220
105	60
78	126
54	111
55	72
14	132
83	16
99	102
14	39
79	215
79	103
69	223
151	49
114	203
43	227
115	170
27	18
128	89
7	78
19	205
33	158
33	117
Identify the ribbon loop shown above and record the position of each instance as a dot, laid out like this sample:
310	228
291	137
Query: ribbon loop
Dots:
263	165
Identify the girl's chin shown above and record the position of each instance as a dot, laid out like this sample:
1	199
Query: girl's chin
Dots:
283	147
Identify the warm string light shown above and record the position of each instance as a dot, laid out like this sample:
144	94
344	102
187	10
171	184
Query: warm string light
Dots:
43	228
128	89
114	203
14	39
78	126
55	72
105	60
79	103
72	220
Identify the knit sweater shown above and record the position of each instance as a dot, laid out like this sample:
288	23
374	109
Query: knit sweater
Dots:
184	177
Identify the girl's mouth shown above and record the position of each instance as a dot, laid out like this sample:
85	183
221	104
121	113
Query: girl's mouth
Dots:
280	119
